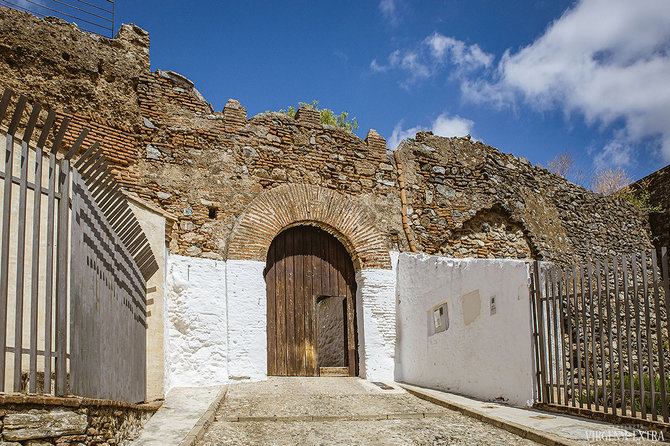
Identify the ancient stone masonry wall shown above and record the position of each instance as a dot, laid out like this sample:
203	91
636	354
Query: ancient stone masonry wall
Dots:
54	63
165	143
207	167
658	186
87	78
467	199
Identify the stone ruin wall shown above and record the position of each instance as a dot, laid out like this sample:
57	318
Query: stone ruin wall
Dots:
195	162
167	145
477	196
658	186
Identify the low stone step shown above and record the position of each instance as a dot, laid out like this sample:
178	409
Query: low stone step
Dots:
308	418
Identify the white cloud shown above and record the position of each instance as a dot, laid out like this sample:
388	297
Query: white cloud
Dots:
399	134
455	126
434	54
375	66
389	11
468	57
443	125
608	60
617	153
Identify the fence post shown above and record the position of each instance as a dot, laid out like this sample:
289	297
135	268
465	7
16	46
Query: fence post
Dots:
62	278
537	291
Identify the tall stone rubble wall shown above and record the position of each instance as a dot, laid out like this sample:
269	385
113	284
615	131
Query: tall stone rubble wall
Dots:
465	198
657	186
165	143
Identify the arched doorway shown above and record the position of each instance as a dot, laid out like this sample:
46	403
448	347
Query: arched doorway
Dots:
311	315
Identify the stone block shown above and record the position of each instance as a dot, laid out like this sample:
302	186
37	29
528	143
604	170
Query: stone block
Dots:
36	424
153	153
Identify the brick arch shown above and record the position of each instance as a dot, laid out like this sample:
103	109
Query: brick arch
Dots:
290	205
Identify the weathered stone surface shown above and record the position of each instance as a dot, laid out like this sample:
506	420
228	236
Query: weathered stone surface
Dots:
490	204
37	443
153	153
655	190
249	151
43	424
212	255
79	72
148	123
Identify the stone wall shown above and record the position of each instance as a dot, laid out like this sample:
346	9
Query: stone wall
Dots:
207	167
658	186
166	144
53	62
467	199
33	421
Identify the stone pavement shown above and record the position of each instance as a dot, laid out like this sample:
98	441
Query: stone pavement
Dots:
352	411
183	409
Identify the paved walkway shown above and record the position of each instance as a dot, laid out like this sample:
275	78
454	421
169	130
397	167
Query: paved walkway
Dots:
560	429
351	411
183	408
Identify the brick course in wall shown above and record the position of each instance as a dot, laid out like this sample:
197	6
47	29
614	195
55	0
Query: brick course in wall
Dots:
290	204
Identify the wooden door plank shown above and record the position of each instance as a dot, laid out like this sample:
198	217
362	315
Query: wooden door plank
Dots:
308	297
280	296
290	304
270	285
332	256
299	312
342	291
313	284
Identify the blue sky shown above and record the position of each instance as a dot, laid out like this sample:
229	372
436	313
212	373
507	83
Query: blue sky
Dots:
532	78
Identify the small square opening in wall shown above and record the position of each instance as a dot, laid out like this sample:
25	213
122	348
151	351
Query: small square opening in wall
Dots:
212	213
438	319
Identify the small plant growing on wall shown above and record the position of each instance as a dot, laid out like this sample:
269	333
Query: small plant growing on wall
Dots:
326	116
640	197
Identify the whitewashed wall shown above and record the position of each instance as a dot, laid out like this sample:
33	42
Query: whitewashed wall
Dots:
483	355
376	316
196	352
217	328
247	320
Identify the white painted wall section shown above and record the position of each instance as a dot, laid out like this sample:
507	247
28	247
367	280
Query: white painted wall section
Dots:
376	316
196	323
484	354
247	320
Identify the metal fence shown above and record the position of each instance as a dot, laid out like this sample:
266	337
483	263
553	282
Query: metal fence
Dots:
601	335
95	16
72	280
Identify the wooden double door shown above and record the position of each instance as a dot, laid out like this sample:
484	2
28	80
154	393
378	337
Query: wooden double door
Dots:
308	267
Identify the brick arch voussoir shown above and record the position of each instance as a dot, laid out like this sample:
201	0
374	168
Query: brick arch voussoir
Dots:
292	205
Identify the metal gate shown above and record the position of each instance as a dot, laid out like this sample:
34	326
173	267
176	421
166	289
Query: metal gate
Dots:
601	335
74	266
